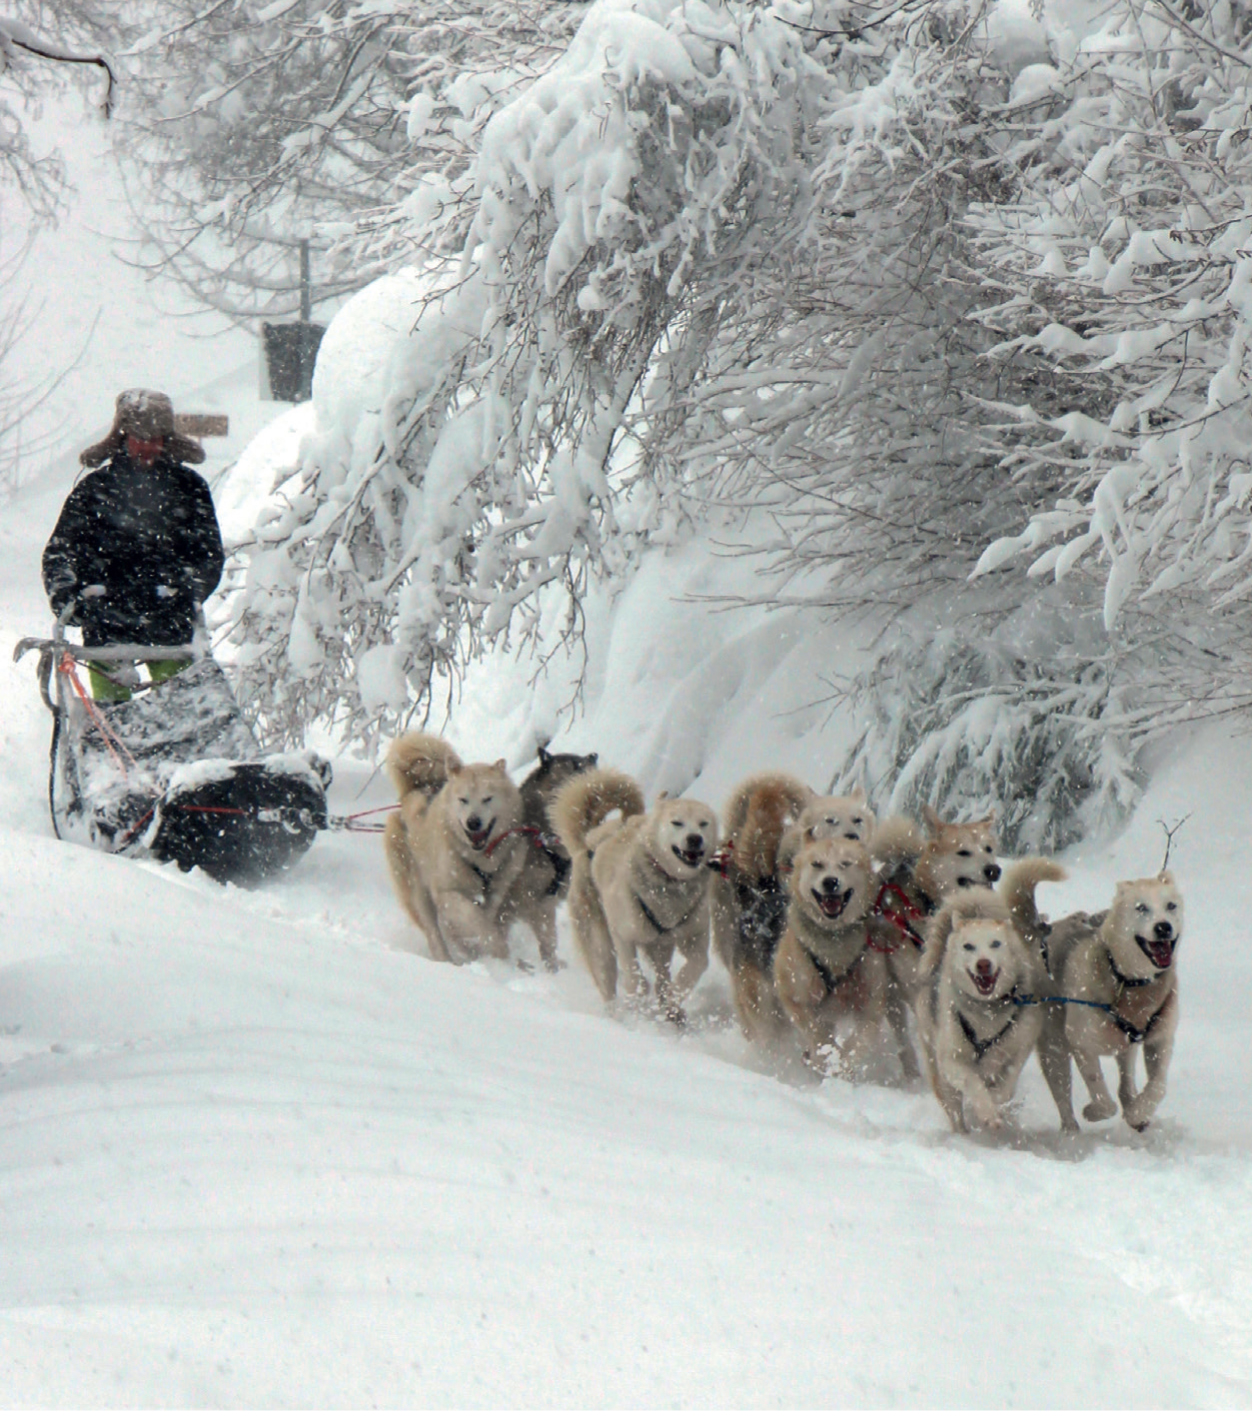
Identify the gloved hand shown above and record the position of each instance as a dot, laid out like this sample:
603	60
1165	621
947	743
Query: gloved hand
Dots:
94	592
164	592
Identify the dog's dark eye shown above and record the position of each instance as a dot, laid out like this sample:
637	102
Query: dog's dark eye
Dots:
465	801
1170	905
996	944
988	849
969	948
677	824
1142	908
856	820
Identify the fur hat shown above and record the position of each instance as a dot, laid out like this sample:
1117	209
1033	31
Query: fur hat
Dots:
143	413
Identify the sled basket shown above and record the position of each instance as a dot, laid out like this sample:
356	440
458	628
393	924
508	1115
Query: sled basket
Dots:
175	772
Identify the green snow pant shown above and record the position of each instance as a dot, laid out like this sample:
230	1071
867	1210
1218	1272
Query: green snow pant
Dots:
106	690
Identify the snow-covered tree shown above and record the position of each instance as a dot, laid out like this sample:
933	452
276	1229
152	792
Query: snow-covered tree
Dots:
812	260
256	126
40	42
604	214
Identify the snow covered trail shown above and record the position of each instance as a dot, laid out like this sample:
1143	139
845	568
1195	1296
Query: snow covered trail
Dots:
257	1151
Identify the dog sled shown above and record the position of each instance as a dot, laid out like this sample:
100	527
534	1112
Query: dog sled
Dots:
173	773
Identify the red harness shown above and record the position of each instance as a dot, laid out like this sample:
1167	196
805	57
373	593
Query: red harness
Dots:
899	917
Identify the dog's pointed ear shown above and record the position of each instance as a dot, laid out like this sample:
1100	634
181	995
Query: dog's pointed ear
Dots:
1167	878
932	817
662	796
499	764
545	757
593	758
858	794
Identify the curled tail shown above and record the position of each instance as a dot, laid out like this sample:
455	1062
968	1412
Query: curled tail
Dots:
897	841
586	800
420	762
757	814
1017	889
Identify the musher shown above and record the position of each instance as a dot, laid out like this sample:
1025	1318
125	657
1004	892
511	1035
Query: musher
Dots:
137	545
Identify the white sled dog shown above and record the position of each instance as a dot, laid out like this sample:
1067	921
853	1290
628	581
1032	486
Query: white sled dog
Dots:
828	818
831	962
749	896
978	1015
922	869
1118	968
639	885
452	848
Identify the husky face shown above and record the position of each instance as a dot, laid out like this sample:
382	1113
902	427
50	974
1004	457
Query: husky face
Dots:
684	834
832	881
838	818
958	857
1145	923
985	958
483	802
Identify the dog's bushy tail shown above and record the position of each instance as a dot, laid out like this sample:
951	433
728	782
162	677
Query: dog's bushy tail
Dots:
586	800
756	815
897	841
421	762
1018	891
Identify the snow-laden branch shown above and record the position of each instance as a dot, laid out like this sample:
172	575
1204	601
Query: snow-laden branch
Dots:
17	38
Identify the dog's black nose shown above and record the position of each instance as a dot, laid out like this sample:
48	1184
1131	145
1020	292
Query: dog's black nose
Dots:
473	824
695	842
991	872
851	836
830	884
1163	929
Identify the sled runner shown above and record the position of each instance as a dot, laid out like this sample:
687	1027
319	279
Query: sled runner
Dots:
174	773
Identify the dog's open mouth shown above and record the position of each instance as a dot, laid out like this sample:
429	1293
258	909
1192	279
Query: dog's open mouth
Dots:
479	839
1161	952
833	905
690	858
985	982
966	882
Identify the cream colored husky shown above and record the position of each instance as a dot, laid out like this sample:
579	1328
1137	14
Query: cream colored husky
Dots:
1118	970
452	848
979	1017
639	884
830	963
828	818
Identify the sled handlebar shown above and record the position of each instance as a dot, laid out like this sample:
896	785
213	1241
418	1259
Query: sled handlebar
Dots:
106	654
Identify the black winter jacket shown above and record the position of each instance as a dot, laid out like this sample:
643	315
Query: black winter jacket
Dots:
150	536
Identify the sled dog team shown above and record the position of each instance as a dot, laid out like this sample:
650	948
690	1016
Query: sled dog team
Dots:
833	926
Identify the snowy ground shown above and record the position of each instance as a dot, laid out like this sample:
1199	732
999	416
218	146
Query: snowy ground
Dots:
257	1152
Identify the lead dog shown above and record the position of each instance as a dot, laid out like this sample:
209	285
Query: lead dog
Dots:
830	964
452	849
978	1015
639	885
1118	967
